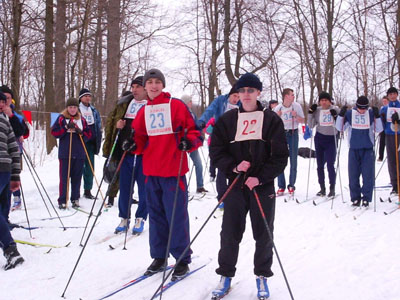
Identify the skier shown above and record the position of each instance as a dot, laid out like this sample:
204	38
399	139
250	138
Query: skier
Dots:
93	119
323	117
251	140
291	114
71	156
362	125
9	180
382	136
164	128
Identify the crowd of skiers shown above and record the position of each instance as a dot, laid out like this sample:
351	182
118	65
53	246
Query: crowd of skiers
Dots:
148	134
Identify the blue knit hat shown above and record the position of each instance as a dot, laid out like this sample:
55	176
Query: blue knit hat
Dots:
249	80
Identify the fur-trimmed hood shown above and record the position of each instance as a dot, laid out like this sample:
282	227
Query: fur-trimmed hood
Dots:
66	114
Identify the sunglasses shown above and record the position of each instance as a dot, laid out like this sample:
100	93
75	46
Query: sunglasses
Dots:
249	90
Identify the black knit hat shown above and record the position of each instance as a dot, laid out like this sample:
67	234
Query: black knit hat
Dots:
233	90
362	102
72	102
249	80
153	73
3	97
84	92
138	80
392	90
6	89
324	95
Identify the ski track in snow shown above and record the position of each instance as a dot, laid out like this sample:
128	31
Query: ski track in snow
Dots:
324	256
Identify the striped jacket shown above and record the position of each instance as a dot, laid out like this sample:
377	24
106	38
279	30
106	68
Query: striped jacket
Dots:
9	152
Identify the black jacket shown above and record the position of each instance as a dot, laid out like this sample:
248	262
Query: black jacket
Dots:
268	157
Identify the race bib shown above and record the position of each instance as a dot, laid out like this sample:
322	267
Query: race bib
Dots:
158	119
88	115
359	121
133	108
249	126
325	118
287	117
390	112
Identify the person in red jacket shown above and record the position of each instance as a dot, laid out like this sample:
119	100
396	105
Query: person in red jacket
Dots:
163	130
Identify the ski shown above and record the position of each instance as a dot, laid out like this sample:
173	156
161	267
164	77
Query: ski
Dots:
385	200
391	211
40	245
290	198
65	216
84	211
194	197
113	247
107	238
307	200
324	199
361	211
43	227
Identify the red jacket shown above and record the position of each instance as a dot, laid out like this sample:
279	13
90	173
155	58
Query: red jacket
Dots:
161	155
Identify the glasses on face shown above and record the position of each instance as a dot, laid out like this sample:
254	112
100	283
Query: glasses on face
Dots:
249	90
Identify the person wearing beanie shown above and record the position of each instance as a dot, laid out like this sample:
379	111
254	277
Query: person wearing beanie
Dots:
163	131
71	153
194	155
323	118
215	110
292	115
362	124
382	136
272	104
390	116
93	119
249	140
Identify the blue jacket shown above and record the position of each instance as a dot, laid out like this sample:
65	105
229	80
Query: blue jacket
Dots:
215	109
96	129
384	109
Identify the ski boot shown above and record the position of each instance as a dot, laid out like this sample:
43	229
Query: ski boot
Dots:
16	204
356	202
75	203
156	266
138	227
322	192
331	191
62	206
13	257
280	192
180	271
88	195
122	227
222	289
365	203
262	287
110	202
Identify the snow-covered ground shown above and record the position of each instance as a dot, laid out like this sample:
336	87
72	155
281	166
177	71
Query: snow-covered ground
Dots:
326	253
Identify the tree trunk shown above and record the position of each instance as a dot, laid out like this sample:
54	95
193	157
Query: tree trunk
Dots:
60	54
15	48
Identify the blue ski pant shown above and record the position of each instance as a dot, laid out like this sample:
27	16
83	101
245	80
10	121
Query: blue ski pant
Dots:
5	235
5	195
292	139
131	168
195	156
87	170
361	162
76	170
160	192
325	148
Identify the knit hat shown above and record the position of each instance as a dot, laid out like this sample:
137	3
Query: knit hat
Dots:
6	89
138	80
154	73
233	90
324	95
249	80
273	102
362	102
392	90
3	97
72	102
84	92
186	99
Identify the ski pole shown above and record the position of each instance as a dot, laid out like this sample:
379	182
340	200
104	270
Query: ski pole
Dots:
130	199
337	163
198	232
190	176
374	165
69	167
26	210
94	223
309	167
397	158
272	241
383	162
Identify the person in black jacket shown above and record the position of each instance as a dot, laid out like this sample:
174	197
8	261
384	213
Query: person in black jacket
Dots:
248	140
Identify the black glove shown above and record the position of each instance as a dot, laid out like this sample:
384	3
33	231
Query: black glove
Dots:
343	111
375	110
71	125
312	108
333	112
185	144
395	118
129	145
201	125
78	130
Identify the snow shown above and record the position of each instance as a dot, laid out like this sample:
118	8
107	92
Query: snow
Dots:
326	253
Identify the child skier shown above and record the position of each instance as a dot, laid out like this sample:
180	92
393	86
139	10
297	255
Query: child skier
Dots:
71	156
362	125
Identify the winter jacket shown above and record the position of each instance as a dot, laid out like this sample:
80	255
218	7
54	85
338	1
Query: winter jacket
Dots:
314	120
96	129
10	158
384	112
161	156
59	131
268	157
216	109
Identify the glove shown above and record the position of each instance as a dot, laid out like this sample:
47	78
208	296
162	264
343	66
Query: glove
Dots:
78	130
71	125
333	112
375	110
343	111
312	108
201	125
395	118
185	144
129	145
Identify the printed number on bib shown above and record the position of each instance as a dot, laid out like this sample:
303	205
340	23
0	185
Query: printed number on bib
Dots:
249	126
88	117
325	118
158	119
287	117
390	112
360	121
133	108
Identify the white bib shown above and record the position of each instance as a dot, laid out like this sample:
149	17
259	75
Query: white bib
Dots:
325	118
133	108
158	119
87	113
249	126
230	106
390	112
359	121
287	116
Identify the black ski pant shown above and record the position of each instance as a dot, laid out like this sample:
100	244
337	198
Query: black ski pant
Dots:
240	201
382	144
